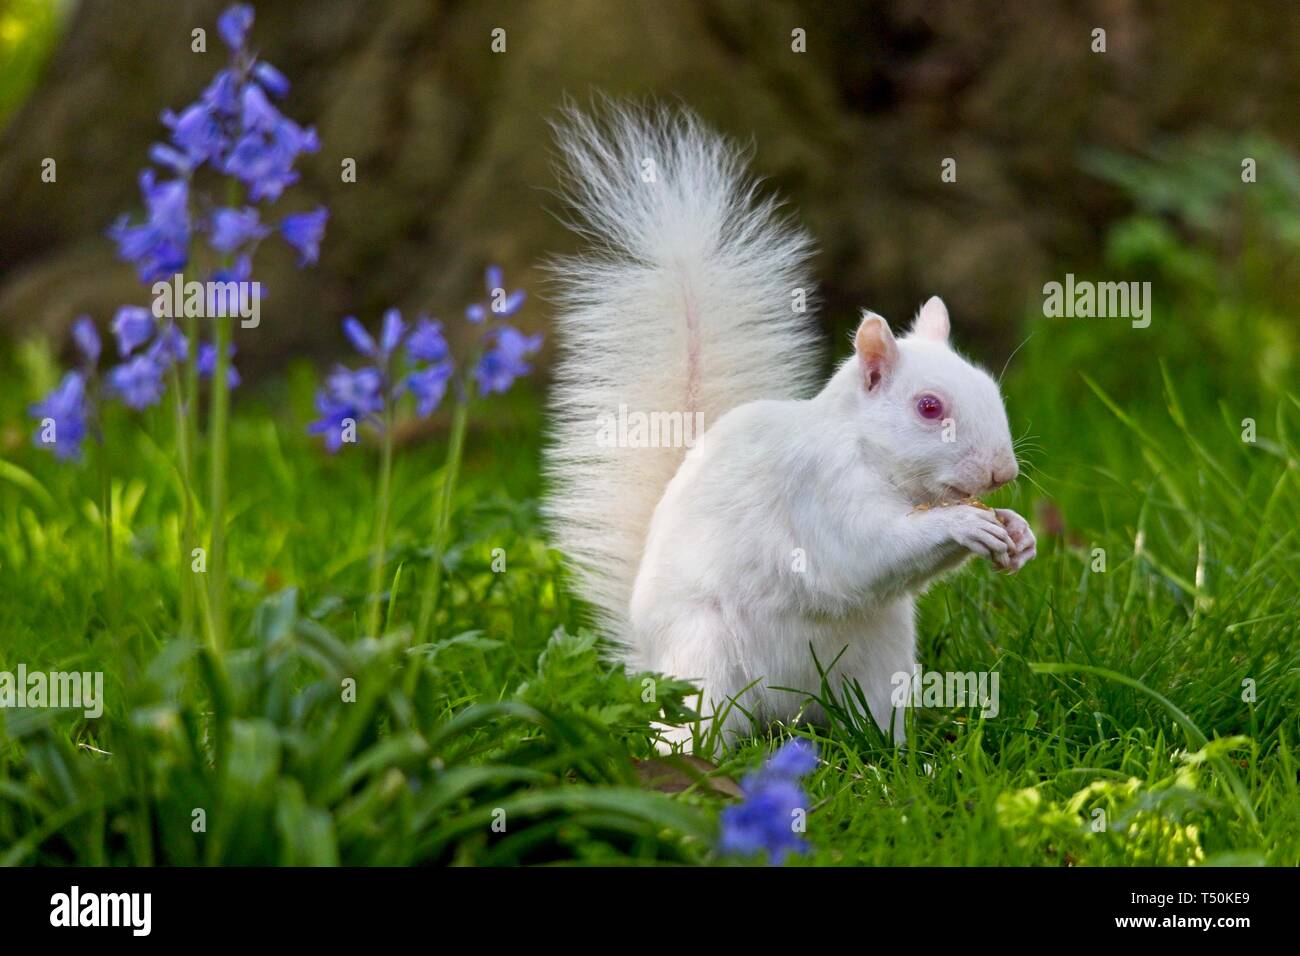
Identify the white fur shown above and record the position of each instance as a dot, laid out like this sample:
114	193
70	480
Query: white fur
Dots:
791	527
683	303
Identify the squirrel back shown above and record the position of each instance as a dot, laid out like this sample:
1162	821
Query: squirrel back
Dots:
684	304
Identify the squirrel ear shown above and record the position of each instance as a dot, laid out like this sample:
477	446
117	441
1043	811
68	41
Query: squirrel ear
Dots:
932	321
877	350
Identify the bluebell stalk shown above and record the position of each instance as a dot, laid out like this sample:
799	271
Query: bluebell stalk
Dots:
65	416
235	131
370	394
499	358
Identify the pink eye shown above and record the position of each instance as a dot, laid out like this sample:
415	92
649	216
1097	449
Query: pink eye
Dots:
927	406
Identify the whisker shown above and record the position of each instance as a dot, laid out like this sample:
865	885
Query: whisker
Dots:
1043	474
1013	355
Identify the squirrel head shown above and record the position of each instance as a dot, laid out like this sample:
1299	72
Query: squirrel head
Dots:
937	419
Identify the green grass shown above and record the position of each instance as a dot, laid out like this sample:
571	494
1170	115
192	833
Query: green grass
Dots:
28	31
1149	712
1111	683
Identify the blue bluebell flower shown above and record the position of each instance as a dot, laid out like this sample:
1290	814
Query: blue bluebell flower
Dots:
793	760
233	25
258	112
504	361
86	337
348	395
66	408
138	382
506	348
360	388
159	247
358	336
764	821
168	346
334	418
500	304
391	332
360	394
263	158
221	96
429	367
429	385
171	157
304	232
197	134
235	129
133	325
426	342
233	229
241	270
272	80
390	336
206	362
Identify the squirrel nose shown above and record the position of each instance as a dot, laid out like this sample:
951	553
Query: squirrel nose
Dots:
1001	474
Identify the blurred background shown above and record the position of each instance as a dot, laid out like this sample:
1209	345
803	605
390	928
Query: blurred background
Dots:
1122	165
1125	163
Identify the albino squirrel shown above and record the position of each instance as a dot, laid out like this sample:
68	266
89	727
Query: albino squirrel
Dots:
794	524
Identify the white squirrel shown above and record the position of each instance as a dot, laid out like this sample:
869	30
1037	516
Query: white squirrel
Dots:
795	524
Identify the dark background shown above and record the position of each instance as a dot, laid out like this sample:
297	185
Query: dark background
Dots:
453	151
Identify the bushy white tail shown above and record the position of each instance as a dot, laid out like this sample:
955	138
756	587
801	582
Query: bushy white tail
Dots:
684	303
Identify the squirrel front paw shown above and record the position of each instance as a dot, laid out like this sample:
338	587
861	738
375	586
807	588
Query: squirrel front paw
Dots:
1022	537
979	531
